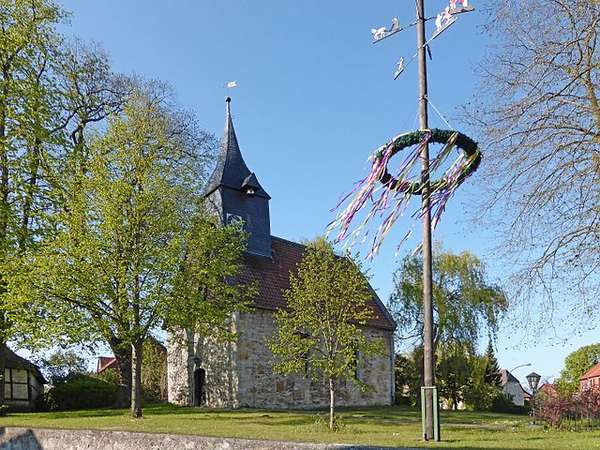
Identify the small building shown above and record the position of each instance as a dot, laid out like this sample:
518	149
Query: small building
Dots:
512	388
204	372
590	379
23	382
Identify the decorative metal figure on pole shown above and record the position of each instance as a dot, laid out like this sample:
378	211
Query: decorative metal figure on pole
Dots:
390	195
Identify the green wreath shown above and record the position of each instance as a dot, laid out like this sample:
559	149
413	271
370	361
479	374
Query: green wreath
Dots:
463	142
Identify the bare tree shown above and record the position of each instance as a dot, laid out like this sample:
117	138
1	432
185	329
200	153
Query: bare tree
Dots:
538	115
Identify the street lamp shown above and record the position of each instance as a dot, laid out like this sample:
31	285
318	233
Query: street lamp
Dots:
519	366
533	379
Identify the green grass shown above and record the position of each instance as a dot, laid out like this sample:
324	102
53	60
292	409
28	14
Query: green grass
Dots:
389	426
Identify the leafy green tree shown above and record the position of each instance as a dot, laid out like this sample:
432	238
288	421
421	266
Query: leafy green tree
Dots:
492	370
320	333
453	372
576	364
124	241
63	364
408	375
38	114
464	302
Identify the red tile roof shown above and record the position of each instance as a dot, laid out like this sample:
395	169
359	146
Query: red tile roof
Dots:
592	373
273	277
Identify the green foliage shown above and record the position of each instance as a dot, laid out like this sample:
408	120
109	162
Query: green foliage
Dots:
408	376
110	376
203	300
480	394
465	303
453	372
321	332
576	364
503	404
154	371
492	370
80	392
460	377
63	364
114	261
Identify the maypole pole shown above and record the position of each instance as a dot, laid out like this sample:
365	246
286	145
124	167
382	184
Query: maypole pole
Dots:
428	375
389	194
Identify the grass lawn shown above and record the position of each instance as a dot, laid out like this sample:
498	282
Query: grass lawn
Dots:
388	426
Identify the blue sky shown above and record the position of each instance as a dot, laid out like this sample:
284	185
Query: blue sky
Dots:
314	99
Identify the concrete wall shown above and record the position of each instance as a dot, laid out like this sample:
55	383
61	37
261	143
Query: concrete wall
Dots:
44	439
260	387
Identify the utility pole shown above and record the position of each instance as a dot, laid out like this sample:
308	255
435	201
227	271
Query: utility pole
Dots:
428	376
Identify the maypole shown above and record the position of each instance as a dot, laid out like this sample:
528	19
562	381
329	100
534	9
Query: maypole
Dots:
390	195
428	368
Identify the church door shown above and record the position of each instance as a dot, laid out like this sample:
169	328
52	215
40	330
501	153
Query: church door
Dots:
199	387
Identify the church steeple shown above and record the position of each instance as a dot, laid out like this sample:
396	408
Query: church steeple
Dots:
235	193
231	170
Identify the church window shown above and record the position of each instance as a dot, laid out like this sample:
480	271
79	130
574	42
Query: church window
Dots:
233	218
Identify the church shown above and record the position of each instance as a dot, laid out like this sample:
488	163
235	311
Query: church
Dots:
205	372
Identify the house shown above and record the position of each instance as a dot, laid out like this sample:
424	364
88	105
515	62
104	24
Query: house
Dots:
590	379
512	388
23	381
202	371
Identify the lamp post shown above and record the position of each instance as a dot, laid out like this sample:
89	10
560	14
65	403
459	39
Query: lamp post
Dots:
533	379
519	366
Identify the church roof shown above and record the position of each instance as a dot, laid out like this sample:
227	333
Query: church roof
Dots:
231	170
273	277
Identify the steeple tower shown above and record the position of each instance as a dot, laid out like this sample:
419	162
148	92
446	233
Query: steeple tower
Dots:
236	194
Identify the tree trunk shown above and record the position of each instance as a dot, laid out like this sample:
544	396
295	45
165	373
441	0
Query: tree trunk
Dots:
123	356
332	425
2	370
136	379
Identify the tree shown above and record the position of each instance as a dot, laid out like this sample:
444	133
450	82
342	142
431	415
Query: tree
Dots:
479	394
408	376
576	364
492	370
37	115
464	301
453	372
320	333
125	238
63	364
538	115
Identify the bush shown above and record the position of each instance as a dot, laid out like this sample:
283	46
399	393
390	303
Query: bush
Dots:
581	409
503	404
80	392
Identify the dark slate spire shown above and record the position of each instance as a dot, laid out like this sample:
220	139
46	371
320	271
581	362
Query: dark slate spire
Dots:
234	193
231	170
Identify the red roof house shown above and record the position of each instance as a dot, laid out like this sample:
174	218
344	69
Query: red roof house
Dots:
591	378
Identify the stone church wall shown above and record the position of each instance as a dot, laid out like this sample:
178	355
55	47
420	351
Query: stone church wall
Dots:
188	352
259	386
